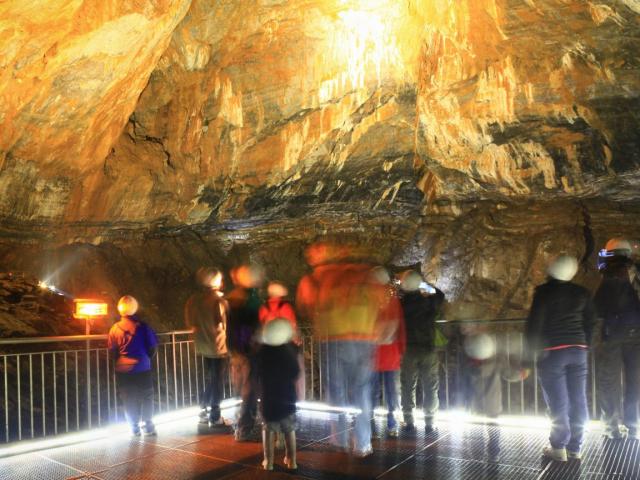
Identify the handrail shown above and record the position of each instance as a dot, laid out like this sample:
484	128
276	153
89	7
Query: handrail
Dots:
73	338
104	336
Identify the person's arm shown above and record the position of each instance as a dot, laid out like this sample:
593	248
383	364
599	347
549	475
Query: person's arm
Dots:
305	297
437	298
112	347
152	342
533	327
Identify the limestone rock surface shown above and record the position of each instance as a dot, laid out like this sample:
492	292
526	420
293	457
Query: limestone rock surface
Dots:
474	138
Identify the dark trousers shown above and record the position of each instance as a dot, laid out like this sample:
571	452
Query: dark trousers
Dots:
563	377
244	383
424	364
389	380
613	358
136	392
213	388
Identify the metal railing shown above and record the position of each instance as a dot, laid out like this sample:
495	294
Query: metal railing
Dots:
68	383
521	397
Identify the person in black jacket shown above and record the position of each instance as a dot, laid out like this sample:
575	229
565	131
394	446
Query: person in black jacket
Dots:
558	331
420	311
618	304
277	372
244	303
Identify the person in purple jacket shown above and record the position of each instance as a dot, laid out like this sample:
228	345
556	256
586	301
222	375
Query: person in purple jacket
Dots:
133	344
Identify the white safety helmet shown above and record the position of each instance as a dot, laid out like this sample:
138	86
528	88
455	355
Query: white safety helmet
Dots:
380	275
619	246
127	305
480	347
277	290
563	268
410	281
277	332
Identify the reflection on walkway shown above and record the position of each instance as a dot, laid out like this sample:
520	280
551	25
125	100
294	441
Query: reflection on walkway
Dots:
458	450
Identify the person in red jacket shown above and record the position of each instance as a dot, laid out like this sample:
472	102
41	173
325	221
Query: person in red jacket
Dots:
389	352
276	306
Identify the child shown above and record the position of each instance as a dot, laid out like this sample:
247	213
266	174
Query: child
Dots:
133	344
276	307
278	371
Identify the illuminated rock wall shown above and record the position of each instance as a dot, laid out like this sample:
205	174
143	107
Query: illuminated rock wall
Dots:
257	123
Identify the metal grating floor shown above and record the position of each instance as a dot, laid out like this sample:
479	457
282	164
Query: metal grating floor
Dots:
456	452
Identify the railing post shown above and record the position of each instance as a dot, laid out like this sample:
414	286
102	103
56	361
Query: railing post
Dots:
87	331
175	375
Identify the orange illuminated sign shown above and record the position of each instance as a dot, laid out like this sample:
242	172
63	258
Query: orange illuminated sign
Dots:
89	308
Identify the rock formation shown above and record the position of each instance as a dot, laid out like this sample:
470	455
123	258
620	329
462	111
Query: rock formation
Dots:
474	138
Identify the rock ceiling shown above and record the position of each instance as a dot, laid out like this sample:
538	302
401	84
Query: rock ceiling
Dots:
183	112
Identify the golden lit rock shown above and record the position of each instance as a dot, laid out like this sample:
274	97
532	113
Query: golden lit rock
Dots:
246	123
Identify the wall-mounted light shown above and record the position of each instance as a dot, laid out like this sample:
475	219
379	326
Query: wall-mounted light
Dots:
86	308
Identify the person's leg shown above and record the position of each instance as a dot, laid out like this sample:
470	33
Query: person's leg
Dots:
408	381
336	390
430	384
360	361
127	390
241	379
608	368
146	402
577	372
631	355
268	442
205	397
218	369
290	459
375	398
553	379
391	395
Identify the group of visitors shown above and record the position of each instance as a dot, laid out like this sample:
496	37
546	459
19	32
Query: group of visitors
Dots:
559	332
374	330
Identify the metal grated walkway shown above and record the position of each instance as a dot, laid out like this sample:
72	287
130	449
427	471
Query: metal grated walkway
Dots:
456	451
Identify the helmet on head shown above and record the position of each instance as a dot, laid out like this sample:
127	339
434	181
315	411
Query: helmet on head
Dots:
480	347
410	281
277	332
563	268
277	290
619	247
210	277
380	275
127	305
248	276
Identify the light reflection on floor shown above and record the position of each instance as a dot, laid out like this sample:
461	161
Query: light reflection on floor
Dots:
458	450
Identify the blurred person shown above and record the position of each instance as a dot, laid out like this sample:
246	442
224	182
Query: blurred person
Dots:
559	331
132	343
618	304
277	307
342	302
277	372
206	314
482	368
391	347
242	328
420	309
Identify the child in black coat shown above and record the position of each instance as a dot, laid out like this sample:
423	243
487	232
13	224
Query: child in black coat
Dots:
278	371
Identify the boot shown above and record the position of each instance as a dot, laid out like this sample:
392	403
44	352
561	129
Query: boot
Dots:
557	454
